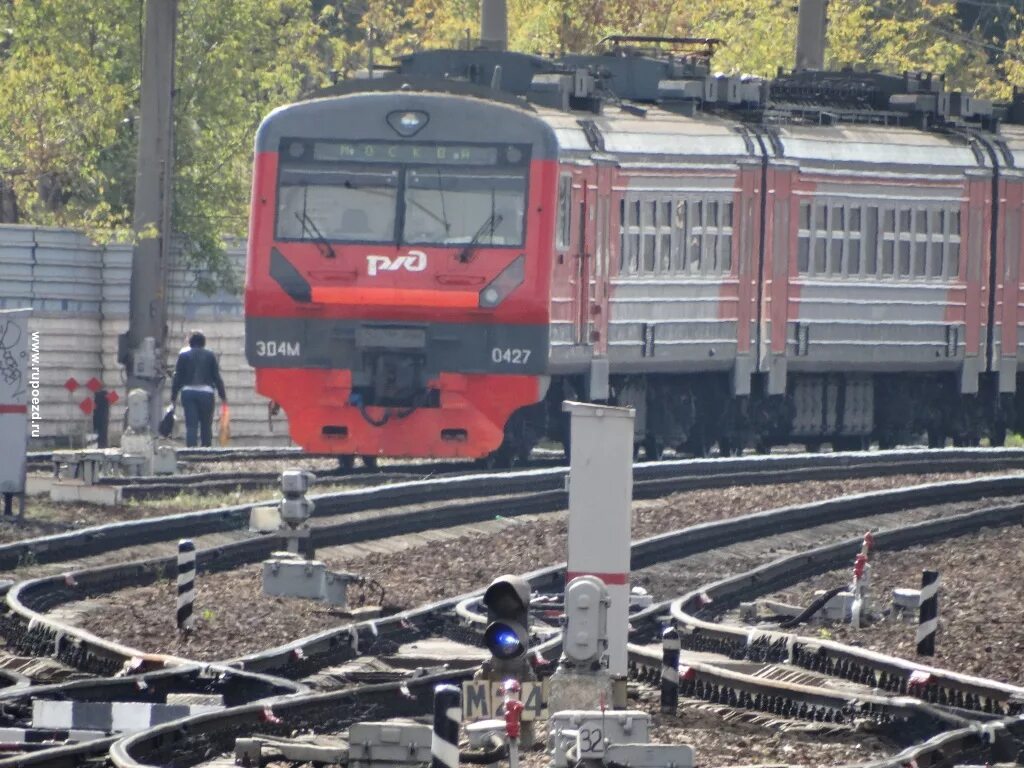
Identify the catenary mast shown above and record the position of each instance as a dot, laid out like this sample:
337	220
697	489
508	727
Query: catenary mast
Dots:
142	348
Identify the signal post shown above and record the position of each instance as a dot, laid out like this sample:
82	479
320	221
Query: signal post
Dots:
594	663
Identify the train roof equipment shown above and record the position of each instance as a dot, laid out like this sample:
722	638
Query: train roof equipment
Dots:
675	74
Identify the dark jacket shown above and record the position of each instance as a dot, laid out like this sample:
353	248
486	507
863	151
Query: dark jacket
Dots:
197	366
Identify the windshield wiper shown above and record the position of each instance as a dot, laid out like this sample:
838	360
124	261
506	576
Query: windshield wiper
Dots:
491	223
307	223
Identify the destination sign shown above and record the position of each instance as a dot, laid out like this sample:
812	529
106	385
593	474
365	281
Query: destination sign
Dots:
386	152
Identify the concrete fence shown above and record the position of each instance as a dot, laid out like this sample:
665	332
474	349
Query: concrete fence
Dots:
79	293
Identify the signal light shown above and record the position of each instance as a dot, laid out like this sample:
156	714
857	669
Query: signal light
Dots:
507	600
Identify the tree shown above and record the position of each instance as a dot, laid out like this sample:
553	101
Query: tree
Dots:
69	82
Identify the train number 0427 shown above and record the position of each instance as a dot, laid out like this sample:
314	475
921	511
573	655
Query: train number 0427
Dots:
278	348
510	355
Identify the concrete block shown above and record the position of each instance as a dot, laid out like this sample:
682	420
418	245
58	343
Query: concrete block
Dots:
58	715
650	755
77	491
129	717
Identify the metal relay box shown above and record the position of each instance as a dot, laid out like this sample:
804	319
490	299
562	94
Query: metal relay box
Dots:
19	396
395	742
589	732
294	577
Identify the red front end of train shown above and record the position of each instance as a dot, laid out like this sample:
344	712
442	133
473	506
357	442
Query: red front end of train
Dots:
396	287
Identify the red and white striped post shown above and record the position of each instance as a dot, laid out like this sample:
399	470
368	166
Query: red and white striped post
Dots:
600	508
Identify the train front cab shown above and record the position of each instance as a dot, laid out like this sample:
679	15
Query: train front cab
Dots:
395	290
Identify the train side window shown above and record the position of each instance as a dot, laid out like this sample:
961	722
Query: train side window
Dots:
853	238
904	253
920	258
870	240
935	258
725	236
679	235
665	237
888	251
634	237
820	255
803	258
622	235
650	240
853	256
564	211
952	266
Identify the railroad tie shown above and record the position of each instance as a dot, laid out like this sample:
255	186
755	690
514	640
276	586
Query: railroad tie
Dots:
444	742
186	584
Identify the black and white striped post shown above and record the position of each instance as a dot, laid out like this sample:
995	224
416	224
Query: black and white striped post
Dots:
186	583
444	742
928	621
669	670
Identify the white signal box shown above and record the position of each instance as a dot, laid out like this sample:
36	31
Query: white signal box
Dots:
586	622
600	508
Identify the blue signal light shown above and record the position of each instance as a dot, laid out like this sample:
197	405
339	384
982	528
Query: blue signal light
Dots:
503	641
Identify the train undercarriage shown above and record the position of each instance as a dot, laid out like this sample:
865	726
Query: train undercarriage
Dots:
696	415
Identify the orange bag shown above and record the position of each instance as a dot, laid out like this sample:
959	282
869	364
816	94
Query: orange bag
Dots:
225	424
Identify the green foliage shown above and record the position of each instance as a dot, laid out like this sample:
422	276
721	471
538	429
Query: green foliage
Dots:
69	81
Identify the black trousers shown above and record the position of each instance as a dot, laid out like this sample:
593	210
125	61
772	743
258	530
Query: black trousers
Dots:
198	407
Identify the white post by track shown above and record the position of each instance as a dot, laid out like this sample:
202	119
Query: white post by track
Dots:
186	584
928	616
600	508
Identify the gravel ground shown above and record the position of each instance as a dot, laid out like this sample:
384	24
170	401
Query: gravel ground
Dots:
980	597
235	618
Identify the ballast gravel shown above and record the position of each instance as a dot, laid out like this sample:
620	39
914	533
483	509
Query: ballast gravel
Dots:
234	617
980	598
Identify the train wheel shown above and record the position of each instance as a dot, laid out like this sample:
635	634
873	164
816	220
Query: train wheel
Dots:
370	462
997	439
499	459
653	448
346	463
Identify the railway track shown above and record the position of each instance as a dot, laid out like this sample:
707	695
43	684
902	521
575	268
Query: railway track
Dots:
652	479
305	656
965	728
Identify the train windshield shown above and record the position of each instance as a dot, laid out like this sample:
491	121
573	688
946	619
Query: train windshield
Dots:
374	192
459	205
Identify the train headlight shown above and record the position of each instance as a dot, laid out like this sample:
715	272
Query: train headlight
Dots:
510	278
407	123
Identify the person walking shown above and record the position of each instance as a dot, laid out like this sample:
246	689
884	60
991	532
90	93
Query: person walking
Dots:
196	374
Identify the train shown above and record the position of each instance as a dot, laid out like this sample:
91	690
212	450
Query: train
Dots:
441	254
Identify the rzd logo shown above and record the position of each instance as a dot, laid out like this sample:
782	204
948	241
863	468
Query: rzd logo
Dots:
413	261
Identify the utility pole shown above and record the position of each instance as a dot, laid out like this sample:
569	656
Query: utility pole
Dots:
812	23
141	349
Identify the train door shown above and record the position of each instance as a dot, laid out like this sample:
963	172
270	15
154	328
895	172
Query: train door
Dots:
583	201
593	260
599	218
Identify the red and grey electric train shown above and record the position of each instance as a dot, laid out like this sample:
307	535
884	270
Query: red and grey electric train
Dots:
439	257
